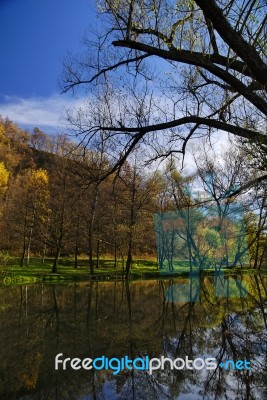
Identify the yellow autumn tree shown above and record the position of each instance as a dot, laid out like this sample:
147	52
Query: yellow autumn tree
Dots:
38	187
37	195
4	175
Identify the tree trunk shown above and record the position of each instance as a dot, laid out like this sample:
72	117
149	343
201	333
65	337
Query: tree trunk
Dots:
55	264
77	239
23	254
44	253
260	228
29	247
129	258
76	256
24	239
91	230
97	252
115	254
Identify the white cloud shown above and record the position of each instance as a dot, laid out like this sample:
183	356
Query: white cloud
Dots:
42	112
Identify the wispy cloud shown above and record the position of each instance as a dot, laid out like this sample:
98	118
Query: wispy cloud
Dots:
42	112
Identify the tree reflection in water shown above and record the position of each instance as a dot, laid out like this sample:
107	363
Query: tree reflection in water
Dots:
115	319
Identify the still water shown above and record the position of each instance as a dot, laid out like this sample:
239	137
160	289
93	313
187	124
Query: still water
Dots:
137	319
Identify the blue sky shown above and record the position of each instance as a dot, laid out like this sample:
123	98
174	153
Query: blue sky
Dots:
35	35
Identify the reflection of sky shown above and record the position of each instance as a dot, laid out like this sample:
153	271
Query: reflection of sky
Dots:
158	329
140	383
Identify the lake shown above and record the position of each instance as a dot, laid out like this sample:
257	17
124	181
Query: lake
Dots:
138	319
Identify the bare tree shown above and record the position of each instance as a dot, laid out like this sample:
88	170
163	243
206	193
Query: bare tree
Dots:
210	74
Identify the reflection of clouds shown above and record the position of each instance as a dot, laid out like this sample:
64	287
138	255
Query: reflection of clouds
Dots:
40	111
72	319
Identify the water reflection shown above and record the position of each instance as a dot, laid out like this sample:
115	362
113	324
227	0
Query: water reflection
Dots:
135	319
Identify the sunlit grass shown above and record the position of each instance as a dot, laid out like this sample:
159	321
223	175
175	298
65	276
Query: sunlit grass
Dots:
36	271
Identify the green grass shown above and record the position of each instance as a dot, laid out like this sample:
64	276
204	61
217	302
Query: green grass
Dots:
13	274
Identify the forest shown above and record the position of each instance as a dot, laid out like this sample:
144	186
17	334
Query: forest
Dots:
62	200
160	80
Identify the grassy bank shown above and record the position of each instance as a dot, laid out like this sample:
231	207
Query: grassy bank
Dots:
12	274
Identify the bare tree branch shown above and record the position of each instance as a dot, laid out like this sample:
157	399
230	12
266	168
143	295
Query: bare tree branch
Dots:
102	71
234	39
200	60
248	185
213	123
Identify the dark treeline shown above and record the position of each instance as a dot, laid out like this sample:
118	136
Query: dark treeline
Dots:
54	202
